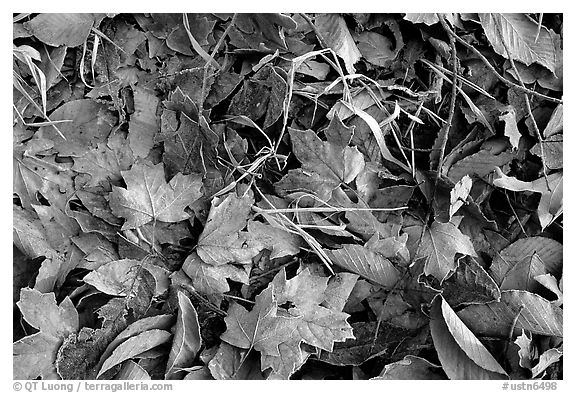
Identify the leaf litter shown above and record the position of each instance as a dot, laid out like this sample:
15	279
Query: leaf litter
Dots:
288	196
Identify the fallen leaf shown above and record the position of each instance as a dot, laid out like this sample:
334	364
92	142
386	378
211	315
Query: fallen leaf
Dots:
187	340
34	355
440	244
135	346
57	29
518	33
333	29
461	354
366	263
530	311
148	197
222	240
411	368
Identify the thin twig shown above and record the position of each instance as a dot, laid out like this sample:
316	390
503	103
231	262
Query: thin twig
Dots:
497	74
446	129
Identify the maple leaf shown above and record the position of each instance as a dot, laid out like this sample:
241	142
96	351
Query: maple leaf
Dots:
222	240
148	196
34	355
332	162
261	328
317	323
439	245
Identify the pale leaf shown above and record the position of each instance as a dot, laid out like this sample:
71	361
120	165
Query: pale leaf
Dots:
187	340
461	354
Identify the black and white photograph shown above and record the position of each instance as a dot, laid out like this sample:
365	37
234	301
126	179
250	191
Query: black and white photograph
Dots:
287	196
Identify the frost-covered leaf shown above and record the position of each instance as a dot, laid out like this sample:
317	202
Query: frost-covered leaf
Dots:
440	244
143	122
187	340
459	194
530	311
367	263
262	328
222	240
148	197
280	242
480	164
334	30
325	165
376	48
58	29
135	346
132	371
545	360
234	363
518	32
91	123
103	164
511	127
117	278
411	368
517	260
34	355
470	284
556	122
210	279
427	18
314	324
553	149
461	354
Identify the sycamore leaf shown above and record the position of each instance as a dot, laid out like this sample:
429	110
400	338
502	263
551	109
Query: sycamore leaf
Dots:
440	244
148	197
333	29
187	340
317	323
210	279
135	346
261	328
91	123
31	239
337	164
34	355
367	263
222	240
279	241
103	164
461	354
411	368
530	311
57	29
518	33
